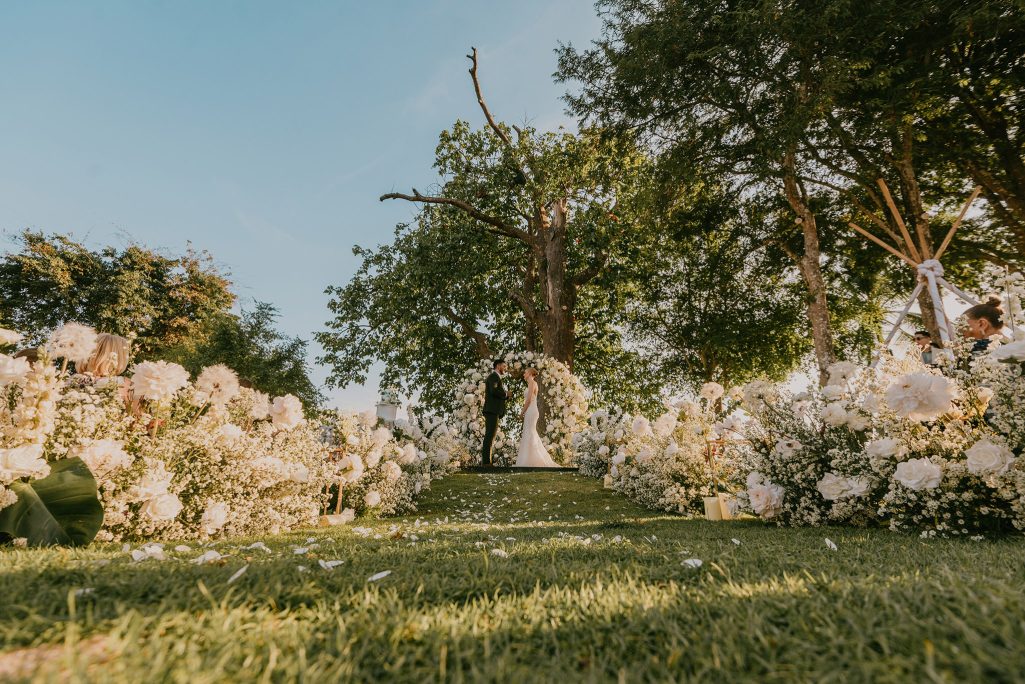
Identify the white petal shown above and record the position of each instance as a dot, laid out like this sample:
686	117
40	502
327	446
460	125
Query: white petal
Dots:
379	576
238	573
693	562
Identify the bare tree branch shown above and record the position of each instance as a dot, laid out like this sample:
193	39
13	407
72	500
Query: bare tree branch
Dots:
498	226
480	100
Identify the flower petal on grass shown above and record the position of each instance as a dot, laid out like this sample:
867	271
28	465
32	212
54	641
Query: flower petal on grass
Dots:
499	553
830	545
379	576
330	565
207	557
257	545
736	541
238	573
693	563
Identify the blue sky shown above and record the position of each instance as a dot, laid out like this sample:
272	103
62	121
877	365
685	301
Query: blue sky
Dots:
263	132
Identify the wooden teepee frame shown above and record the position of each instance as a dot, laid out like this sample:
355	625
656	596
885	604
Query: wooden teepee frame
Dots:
928	269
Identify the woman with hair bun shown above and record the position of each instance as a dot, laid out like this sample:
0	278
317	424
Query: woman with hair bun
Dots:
983	321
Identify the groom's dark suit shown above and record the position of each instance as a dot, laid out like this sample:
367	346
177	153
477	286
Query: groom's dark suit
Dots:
495	397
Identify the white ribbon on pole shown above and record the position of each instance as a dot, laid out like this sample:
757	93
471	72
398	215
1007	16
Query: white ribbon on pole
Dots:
930	271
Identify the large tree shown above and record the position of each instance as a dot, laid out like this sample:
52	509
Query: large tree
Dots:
524	243
159	301
559	198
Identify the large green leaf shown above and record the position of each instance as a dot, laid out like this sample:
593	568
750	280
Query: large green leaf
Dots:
60	509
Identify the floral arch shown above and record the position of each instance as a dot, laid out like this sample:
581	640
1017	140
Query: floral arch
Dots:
565	405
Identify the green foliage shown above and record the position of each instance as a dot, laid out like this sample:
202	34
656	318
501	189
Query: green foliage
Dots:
135	292
715	305
261	355
834	95
778	606
60	509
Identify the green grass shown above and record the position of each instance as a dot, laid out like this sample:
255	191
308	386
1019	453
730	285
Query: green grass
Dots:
780	606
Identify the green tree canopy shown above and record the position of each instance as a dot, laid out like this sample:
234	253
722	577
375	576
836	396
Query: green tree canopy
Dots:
157	300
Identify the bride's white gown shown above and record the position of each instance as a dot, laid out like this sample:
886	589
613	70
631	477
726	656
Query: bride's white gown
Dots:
532	450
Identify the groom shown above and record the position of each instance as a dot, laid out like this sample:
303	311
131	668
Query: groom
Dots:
495	397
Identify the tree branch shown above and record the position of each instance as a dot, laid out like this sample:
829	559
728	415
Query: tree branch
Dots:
480	340
592	271
480	100
498	226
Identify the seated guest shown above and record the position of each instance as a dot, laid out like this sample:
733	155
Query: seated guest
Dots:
983	321
106	364
928	348
110	358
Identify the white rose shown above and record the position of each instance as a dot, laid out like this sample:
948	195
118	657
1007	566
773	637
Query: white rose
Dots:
711	391
834	414
833	392
373	458
644	455
766	499
23	461
154	483
603	450
392	471
12	369
214	517
619	458
672	449
986	458
161	508
918	474
372	498
787	447
1010	353
230	432
857	486
103	456
841	371
286	412
832	487
354	468
887	447
921	396
641	427
9	338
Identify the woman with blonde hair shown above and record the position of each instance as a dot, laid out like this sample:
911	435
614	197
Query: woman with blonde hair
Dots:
110	357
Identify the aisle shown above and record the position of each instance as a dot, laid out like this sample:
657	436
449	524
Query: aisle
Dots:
540	577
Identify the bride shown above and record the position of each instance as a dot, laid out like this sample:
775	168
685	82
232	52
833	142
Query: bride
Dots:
532	451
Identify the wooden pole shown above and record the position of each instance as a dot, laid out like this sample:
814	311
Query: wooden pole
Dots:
957	223
900	221
888	248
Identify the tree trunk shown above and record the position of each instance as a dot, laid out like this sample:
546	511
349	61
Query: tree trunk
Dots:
811	271
558	291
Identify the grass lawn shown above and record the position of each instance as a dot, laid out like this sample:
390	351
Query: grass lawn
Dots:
525	578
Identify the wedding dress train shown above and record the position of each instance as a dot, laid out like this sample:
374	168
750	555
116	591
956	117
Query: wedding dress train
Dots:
532	450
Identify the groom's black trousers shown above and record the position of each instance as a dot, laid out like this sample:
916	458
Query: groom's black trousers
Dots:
490	430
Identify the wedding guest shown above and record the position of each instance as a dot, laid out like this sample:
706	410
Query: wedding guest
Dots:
927	347
106	365
984	321
109	359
